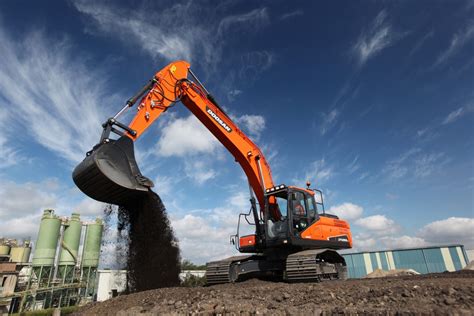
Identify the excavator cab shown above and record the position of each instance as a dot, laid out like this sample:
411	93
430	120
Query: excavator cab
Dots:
295	217
290	211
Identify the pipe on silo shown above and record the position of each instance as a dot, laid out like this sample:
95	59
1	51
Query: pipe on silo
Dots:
71	241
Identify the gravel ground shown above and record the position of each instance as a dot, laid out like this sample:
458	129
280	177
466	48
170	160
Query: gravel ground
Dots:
443	293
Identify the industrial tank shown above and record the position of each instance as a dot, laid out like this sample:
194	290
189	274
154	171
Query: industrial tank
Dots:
92	242
4	249
20	253
47	241
71	240
69	248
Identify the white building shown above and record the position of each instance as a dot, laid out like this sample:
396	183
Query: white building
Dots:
110	283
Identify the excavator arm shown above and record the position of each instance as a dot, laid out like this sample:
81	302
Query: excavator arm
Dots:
109	173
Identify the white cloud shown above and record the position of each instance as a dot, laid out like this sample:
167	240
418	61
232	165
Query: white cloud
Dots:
51	94
164	185
346	211
396	168
369	242
364	242
378	224
176	31
373	40
89	207
413	162
20	227
401	242
353	166
232	94
329	120
363	176
379	234
202	240
291	14
240	200
204	234
251	124
318	171
185	137
10	155
166	34
199	170
457	43
457	114
420	42
450	230
252	20
426	164
254	63
25	199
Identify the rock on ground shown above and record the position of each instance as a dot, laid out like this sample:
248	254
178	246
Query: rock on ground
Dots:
443	293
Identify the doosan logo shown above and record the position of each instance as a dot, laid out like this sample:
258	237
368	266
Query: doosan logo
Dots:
218	120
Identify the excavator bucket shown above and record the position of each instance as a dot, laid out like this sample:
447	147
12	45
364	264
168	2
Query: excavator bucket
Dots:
110	173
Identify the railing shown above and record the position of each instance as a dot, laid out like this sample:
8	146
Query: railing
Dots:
235	239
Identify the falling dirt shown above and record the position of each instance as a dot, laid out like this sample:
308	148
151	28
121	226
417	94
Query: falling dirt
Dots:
146	239
434	294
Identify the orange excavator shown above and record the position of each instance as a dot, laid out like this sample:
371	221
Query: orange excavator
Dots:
294	238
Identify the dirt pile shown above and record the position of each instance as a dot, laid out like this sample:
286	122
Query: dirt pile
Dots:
444	293
146	240
379	273
470	266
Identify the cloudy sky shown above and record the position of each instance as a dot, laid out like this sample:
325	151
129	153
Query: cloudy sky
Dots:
372	101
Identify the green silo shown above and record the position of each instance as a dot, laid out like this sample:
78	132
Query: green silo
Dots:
90	256
17	253
46	243
4	250
92	242
27	251
69	247
20	253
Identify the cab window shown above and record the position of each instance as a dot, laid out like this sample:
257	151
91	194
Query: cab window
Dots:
298	204
311	207
282	205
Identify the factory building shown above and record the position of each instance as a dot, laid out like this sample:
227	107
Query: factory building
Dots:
422	260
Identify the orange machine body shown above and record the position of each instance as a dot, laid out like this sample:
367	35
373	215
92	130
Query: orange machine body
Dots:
248	241
328	228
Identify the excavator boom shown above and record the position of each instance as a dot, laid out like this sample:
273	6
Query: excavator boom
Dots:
110	174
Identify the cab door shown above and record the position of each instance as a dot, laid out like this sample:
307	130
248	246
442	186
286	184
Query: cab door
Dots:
299	212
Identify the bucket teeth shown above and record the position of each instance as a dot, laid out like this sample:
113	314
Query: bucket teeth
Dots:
110	173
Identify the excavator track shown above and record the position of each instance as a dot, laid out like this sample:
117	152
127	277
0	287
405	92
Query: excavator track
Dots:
310	266
218	272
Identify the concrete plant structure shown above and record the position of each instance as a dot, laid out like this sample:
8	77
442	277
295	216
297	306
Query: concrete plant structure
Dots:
59	274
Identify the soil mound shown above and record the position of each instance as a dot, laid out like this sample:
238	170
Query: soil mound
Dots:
470	266
440	294
379	273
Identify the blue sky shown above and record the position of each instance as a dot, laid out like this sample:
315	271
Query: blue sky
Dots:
373	101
